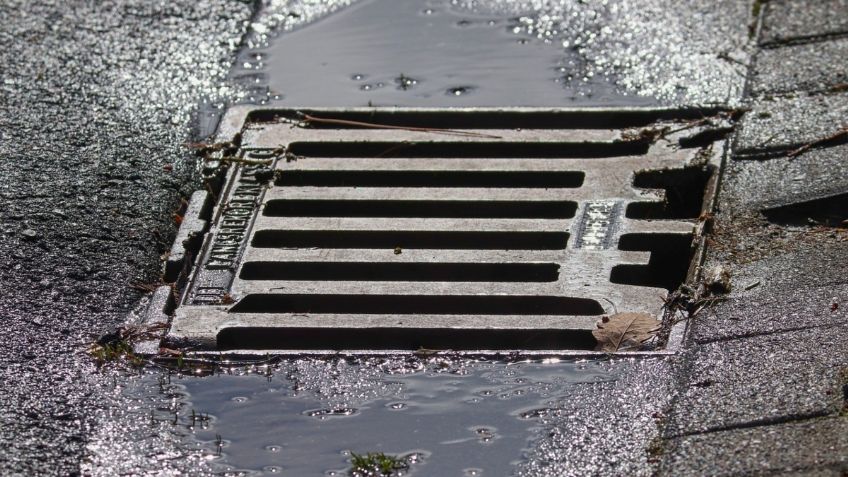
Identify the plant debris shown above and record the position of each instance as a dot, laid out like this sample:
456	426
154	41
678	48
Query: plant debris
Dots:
227	299
423	352
838	135
376	464
717	280
204	148
241	160
707	130
308	120
146	287
625	331
118	345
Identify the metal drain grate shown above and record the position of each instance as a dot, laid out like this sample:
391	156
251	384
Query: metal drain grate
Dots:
504	229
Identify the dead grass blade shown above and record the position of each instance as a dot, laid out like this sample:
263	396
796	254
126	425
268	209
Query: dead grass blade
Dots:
309	119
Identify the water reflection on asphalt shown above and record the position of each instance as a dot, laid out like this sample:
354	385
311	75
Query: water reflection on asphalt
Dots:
418	53
303	417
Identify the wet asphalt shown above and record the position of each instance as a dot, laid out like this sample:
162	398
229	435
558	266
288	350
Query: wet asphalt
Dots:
97	105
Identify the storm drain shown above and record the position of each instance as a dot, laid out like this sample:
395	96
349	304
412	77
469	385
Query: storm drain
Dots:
460	229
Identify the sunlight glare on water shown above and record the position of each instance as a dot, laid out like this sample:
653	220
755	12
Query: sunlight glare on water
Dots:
305	416
497	53
418	53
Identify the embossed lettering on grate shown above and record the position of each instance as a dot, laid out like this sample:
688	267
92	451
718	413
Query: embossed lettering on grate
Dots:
500	230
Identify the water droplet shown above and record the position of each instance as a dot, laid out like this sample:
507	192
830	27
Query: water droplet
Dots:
473	472
459	90
272	469
325	413
463	23
358	77
428	11
405	82
485	434
239	399
274	449
535	413
396	406
414	458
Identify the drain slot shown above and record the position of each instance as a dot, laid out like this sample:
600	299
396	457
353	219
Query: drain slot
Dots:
422	208
550	150
392	239
507	179
419	304
404	272
667	267
684	193
500	119
402	339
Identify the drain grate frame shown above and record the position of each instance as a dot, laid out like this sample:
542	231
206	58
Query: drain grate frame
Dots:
520	233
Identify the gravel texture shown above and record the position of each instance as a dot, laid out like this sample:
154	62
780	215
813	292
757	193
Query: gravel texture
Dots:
745	382
786	20
818	67
760	312
814	174
96	106
816	447
782	123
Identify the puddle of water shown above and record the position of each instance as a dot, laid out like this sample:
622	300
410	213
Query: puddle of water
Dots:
417	53
304	417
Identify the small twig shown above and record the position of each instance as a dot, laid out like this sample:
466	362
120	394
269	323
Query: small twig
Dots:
211	192
806	147
423	352
655	134
614	308
344	122
240	160
694	123
205	148
395	148
726	57
768	140
145	287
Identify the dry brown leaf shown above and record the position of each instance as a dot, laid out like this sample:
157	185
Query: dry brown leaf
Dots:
625	331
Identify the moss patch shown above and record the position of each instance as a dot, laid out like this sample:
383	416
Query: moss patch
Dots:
376	464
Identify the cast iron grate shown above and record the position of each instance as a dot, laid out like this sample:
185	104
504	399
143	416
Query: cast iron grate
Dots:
504	229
